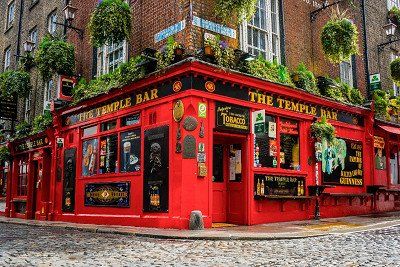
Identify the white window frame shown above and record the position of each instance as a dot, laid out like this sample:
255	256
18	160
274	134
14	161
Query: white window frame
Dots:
52	19
396	88
10	14
28	104
48	95
271	53
33	36
103	57
393	3
7	58
346	72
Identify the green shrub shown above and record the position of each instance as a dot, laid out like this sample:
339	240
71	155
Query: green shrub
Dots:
15	83
167	55
394	15
4	153
323	130
305	79
235	10
22	130
42	122
271	71
111	22
224	55
395	70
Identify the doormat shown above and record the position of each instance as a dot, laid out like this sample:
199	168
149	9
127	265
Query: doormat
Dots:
222	225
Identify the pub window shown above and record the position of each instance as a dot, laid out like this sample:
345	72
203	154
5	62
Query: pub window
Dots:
394	165
279	145
380	158
22	177
113	151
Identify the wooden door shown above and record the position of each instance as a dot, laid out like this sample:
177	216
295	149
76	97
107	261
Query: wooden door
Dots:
219	184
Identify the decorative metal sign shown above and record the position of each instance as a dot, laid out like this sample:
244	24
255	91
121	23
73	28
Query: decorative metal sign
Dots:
68	204
232	118
190	123
342	162
273	185
32	144
189	147
178	111
107	194
156	170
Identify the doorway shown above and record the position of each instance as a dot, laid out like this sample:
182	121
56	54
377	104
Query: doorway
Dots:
229	201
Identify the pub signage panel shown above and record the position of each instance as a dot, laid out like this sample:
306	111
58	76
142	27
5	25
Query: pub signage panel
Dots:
107	194
342	163
32	144
275	185
232	118
8	109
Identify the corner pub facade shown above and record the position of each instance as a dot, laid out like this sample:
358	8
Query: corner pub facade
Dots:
195	137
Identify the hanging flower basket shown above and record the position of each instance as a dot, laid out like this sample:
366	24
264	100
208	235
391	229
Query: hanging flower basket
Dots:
235	10
323	130
55	56
15	83
395	70
394	15
339	39
111	22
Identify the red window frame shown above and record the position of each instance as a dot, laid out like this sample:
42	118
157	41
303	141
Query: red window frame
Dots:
22	181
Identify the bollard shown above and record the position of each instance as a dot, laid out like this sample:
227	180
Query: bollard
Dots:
196	220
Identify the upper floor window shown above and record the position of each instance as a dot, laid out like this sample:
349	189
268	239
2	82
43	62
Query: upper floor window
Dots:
27	107
33	36
393	3
48	95
7	58
346	72
396	88
110	57
51	23
10	14
261	35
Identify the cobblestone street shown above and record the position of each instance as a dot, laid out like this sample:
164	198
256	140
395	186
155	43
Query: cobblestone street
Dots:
45	246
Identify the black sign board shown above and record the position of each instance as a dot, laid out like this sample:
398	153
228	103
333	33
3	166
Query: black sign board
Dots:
68	204
107	194
156	169
32	144
8	109
342	163
273	185
232	118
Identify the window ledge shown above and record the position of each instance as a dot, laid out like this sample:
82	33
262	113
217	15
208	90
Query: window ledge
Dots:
33	4
8	28
272	171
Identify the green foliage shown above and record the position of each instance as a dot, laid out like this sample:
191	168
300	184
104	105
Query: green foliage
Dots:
340	91
111	22
27	62
4	153
395	70
55	56
305	79
224	55
123	75
394	15
15	83
167	55
381	100
42	122
323	130
235	10
271	71
22	130
339	39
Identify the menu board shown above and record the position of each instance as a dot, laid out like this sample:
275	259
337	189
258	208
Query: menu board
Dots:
271	185
130	151
342	162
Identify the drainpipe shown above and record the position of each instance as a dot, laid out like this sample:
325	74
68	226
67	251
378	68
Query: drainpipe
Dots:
365	40
21	12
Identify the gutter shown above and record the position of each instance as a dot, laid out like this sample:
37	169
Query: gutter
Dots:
365	40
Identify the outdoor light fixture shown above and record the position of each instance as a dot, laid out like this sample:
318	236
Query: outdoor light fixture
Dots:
28	46
390	30
325	5
69	13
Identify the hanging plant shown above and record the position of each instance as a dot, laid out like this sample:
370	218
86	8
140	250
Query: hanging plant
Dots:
15	83
235	10
395	70
305	79
171	52
27	62
223	54
42	122
271	71
394	15
323	130
339	38
55	56
381	103
22	130
5	154
111	22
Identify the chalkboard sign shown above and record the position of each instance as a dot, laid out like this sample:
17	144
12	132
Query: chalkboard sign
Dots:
232	118
342	163
272	185
68	204
156	170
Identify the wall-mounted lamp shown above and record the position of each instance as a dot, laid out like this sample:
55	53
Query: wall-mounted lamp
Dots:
69	14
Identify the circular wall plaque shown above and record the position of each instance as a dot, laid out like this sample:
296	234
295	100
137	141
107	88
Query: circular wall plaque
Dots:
178	111
190	123
210	86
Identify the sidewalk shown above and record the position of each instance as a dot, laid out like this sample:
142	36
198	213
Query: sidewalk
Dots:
273	231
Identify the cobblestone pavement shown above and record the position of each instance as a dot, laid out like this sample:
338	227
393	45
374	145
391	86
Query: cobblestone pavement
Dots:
44	246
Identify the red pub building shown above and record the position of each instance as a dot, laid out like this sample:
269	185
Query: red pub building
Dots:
237	148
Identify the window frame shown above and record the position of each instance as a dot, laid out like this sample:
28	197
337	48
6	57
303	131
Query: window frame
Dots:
103	55
23	172
7	58
52	24
47	95
33	37
350	79
28	106
393	3
396	89
278	169
272	52
118	130
10	21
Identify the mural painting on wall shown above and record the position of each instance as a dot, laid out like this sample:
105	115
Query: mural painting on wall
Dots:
342	162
